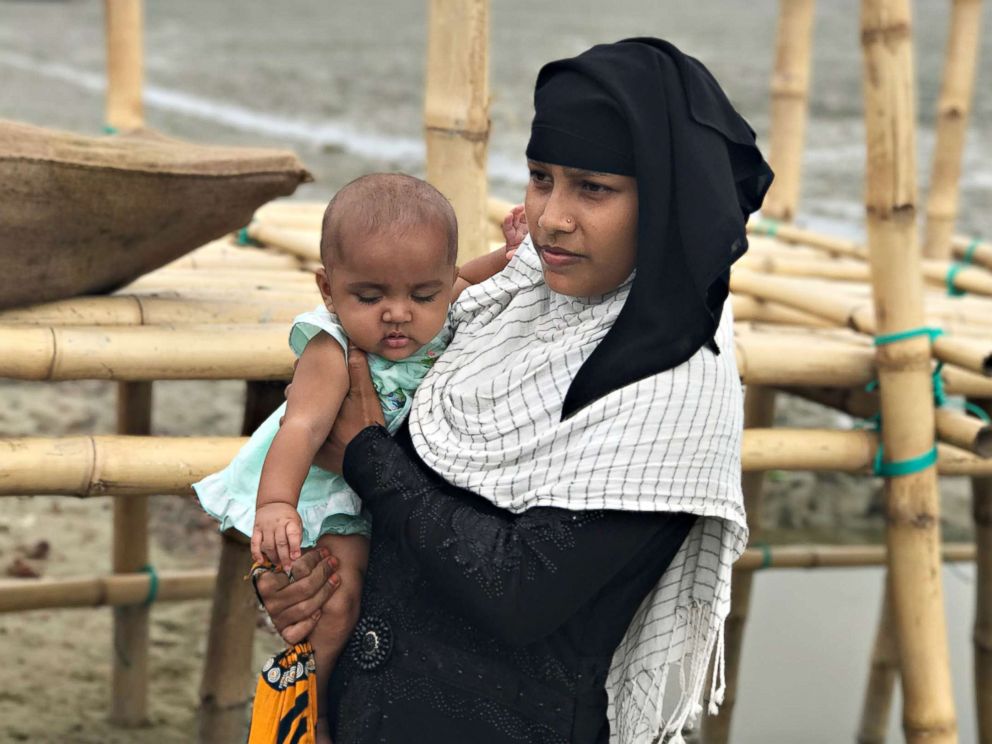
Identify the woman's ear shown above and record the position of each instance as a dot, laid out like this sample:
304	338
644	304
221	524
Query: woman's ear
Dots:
324	285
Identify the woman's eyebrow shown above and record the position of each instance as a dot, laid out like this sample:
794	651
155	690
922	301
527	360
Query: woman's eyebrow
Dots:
581	172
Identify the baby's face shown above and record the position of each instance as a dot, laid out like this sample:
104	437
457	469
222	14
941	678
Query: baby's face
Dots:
391	289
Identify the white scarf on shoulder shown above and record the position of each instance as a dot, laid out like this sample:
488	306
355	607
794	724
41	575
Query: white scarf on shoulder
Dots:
487	417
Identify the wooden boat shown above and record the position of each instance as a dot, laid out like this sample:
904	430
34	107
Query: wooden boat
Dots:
81	215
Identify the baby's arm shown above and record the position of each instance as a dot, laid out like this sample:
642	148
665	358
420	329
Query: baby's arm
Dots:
320	383
479	269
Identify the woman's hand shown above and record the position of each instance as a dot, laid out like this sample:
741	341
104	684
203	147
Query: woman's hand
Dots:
360	409
295	605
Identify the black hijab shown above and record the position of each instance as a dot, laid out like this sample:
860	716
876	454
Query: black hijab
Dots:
641	107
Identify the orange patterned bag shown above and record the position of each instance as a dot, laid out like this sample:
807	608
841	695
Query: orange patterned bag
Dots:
285	707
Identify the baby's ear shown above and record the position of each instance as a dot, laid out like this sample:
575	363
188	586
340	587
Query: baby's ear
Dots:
324	285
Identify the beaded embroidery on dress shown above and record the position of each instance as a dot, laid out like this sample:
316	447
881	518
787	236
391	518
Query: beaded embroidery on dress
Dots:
487	418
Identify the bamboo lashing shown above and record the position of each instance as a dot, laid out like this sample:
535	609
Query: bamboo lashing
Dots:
115	590
906	389
125	64
105	465
953	113
456	114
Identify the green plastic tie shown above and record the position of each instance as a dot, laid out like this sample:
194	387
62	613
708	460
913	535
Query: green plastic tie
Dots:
770	227
969	252
766	554
902	467
891	338
243	238
109	129
977	411
952	272
952	275
915	464
152	584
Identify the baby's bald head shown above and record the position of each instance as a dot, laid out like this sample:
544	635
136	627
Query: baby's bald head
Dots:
379	202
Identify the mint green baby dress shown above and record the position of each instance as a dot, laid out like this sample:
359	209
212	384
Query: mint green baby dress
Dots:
327	505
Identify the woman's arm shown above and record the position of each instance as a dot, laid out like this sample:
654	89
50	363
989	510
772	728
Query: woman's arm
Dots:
520	576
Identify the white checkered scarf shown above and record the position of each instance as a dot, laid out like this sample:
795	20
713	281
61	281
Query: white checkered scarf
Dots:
487	418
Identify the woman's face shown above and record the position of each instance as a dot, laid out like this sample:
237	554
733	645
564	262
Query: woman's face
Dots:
584	227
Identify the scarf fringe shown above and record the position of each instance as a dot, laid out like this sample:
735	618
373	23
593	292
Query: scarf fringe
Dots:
703	641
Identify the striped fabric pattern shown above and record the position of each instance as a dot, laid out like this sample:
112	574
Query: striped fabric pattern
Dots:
487	417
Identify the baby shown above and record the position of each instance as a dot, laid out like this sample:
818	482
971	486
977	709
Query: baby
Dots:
388	248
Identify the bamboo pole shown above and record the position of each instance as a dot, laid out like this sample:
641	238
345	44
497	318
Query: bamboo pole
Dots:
136	310
303	244
953	110
92	466
222	255
747	308
882	675
129	680
88	466
115	590
912	501
835	556
981	509
225	688
798	236
759	412
125	66
146	353
456	114
790	82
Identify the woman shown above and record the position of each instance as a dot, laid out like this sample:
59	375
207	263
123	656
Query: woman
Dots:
555	529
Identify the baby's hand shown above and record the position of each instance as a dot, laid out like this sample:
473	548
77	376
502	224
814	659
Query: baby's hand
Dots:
277	534
514	229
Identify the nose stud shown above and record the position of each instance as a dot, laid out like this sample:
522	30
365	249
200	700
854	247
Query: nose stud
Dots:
568	220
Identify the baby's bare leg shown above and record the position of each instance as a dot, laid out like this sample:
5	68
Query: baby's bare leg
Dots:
340	613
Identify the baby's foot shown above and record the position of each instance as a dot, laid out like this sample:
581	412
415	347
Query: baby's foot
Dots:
514	229
322	732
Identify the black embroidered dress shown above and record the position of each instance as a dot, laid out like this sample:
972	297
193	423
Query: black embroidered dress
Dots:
480	626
